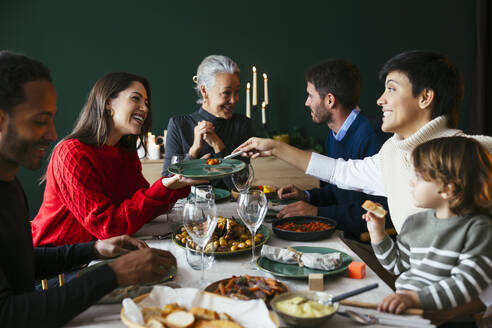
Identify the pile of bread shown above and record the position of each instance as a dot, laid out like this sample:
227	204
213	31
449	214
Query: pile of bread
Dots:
175	316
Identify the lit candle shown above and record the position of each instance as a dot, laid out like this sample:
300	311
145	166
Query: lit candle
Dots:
263	113
150	139
154	152
265	84
248	100
255	91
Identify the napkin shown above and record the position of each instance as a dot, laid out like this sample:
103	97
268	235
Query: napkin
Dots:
249	314
311	260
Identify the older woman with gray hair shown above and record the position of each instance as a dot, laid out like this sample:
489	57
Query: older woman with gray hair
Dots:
214	128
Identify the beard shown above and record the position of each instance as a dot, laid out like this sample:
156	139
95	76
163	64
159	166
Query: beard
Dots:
19	150
320	115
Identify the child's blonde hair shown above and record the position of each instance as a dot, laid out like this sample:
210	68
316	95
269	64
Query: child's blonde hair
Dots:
463	163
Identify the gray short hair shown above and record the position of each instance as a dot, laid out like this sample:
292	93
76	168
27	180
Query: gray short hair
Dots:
208	68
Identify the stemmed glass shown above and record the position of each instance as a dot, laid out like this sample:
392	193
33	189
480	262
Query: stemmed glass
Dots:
252	207
242	180
199	220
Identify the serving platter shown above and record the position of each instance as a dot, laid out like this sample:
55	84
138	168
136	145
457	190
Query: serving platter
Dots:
295	271
282	288
262	229
303	235
120	293
199	169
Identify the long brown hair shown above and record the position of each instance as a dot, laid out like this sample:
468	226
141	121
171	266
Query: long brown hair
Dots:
462	162
94	123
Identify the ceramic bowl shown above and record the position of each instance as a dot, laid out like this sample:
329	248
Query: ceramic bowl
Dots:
298	321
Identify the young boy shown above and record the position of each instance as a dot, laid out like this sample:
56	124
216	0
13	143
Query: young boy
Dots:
443	256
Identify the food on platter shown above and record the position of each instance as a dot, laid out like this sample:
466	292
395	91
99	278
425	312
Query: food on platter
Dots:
289	255
298	306
305	227
248	287
268	189
229	236
213	161
374	208
175	316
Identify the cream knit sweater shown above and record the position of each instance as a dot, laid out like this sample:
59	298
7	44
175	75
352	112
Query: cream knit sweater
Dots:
396	166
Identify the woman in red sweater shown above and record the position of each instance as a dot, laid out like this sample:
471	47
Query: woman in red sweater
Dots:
94	183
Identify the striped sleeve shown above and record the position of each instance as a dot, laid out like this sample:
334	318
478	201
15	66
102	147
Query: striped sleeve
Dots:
468	278
394	257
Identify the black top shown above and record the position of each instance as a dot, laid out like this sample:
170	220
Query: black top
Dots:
21	265
180	134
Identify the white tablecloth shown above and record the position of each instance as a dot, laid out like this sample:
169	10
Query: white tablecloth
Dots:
108	315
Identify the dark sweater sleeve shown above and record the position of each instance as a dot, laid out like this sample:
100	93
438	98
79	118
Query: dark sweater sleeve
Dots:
50	261
173	145
55	306
349	215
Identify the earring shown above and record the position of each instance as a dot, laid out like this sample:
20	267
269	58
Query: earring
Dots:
110	112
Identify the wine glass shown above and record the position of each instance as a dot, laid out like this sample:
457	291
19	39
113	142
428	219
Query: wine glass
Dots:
178	158
252	207
242	180
199	220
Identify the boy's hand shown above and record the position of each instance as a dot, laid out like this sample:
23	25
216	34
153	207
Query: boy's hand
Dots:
375	226
399	302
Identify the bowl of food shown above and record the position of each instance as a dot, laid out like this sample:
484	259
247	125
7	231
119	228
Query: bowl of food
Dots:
270	191
230	237
302	309
248	287
303	228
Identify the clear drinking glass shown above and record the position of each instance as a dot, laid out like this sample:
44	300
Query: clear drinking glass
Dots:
178	158
242	180
252	207
199	220
194	258
203	193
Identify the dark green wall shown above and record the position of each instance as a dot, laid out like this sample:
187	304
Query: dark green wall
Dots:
165	41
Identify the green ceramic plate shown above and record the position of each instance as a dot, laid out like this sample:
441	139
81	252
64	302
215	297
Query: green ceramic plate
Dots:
198	168
294	271
264	230
221	194
169	276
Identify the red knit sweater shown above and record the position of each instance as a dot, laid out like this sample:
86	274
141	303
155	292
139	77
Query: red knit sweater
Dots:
96	193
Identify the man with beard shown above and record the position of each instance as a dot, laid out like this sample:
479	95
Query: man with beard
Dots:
333	88
27	110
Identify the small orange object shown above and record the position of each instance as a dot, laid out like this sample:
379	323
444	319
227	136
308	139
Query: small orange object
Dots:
213	161
357	270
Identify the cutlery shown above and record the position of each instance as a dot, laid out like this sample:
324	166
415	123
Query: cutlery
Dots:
233	155
368	319
343	296
373	306
156	237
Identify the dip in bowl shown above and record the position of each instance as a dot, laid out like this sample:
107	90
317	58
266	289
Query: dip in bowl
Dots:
306	314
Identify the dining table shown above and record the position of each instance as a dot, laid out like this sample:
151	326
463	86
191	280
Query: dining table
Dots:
108	315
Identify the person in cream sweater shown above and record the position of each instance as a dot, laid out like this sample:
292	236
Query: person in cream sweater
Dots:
423	91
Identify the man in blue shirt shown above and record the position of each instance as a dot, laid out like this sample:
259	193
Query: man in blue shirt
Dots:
333	88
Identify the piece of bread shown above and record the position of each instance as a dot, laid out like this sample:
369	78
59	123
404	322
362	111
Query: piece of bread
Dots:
170	308
154	323
374	209
204	314
150	312
225	316
216	324
180	319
